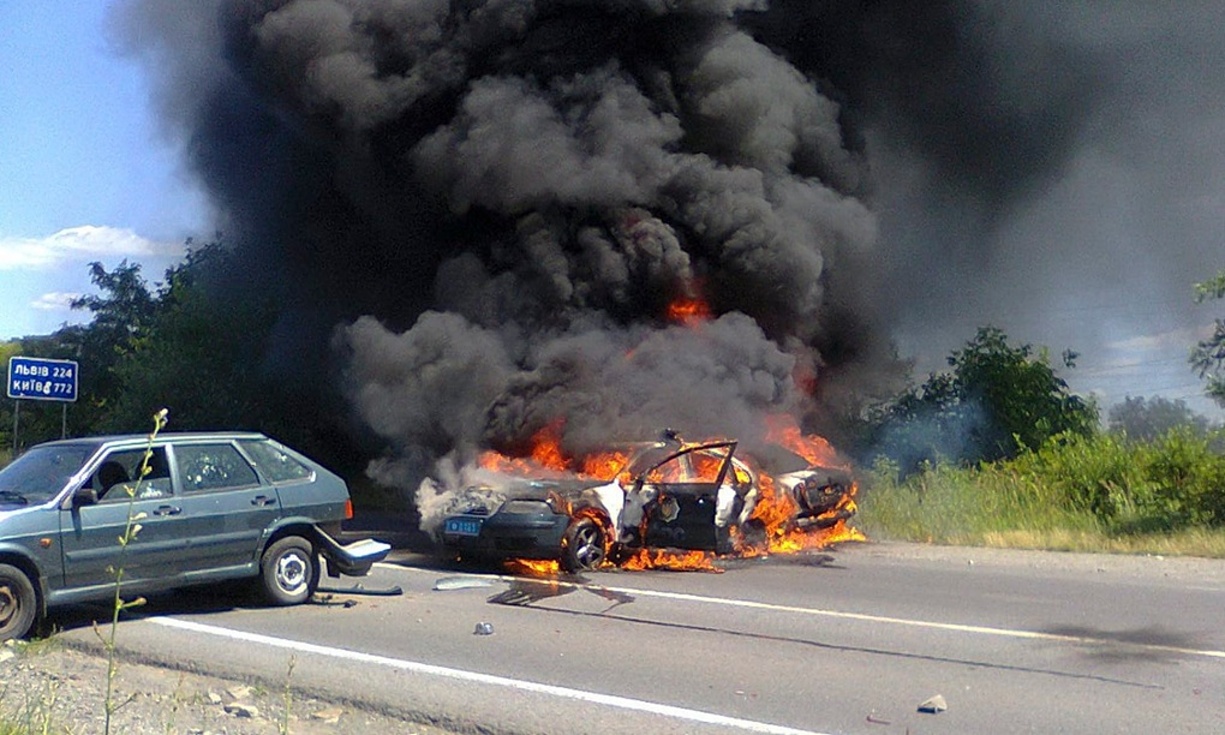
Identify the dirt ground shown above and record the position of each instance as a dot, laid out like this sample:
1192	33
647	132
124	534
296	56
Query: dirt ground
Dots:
46	687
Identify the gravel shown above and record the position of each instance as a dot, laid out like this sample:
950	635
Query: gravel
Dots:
47	687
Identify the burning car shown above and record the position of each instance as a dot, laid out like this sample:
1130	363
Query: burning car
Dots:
666	495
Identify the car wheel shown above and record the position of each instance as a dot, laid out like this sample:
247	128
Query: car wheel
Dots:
289	571
584	548
18	603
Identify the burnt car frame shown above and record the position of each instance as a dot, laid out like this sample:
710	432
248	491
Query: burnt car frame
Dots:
669	494
211	506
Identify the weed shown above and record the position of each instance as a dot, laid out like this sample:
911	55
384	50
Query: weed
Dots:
283	727
130	532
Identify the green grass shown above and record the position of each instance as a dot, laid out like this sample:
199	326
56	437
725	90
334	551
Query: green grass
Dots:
1018	505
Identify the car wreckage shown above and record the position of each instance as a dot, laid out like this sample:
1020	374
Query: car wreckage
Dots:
667	495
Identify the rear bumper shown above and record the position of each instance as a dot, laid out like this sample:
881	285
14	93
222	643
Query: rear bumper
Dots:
353	559
512	535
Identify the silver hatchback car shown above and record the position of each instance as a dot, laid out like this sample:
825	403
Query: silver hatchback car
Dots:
212	507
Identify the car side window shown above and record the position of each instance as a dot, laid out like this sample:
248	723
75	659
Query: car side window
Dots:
274	462
119	476
697	466
212	467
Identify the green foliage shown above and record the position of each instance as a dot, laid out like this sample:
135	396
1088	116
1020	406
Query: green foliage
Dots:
122	317
997	400
1208	356
1096	474
188	344
1107	486
197	354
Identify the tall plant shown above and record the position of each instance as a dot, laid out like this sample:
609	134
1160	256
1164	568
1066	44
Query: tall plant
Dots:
130	532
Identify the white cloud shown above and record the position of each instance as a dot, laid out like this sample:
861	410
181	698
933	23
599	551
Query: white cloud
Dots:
87	242
1175	339
55	301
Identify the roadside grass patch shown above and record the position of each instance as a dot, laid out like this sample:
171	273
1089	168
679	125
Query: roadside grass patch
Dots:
1103	494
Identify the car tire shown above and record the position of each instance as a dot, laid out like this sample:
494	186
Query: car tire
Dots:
18	603
289	571
584	545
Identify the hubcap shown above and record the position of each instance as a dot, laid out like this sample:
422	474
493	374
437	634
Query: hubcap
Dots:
8	605
291	572
589	551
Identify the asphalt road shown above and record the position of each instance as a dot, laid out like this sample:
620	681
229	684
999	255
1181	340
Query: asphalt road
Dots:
851	641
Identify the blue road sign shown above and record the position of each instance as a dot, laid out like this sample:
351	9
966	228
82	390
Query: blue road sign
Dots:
42	380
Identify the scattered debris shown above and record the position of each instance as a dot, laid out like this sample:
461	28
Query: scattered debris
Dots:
330	715
483	629
238	692
878	721
934	705
360	589
238	709
461	583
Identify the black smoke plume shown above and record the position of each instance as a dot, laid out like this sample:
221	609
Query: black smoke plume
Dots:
486	207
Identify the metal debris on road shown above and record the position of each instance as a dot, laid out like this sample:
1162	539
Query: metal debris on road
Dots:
461	583
934	705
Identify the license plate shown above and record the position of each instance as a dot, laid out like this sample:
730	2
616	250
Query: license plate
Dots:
463	526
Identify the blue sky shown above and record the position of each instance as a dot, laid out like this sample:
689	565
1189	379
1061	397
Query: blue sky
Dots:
85	174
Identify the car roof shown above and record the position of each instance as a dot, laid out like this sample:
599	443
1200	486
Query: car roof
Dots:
162	438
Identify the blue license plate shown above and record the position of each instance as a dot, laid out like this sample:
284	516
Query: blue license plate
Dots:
463	526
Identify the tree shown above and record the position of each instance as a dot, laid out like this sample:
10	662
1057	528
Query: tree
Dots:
996	400
123	314
212	342
1149	419
201	357
1208	356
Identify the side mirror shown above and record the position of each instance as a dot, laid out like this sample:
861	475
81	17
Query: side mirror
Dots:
84	496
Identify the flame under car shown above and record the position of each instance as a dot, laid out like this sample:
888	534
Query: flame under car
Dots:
668	495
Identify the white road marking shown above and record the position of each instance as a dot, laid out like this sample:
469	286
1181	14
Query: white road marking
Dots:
608	700
863	617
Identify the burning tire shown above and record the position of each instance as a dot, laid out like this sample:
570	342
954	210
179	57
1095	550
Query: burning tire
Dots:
583	549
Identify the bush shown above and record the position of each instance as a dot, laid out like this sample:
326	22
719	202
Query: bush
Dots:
1071	490
1187	478
1094	474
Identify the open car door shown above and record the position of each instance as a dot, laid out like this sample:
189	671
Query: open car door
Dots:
680	496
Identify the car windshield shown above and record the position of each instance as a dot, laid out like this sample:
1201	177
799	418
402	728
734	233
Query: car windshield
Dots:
39	474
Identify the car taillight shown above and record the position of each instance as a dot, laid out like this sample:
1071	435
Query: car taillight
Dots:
349	509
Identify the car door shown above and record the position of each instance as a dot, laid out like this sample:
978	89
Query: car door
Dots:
90	532
683	496
226	507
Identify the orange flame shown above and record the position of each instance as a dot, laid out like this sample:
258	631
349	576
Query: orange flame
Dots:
671	560
689	311
546	453
776	509
532	567
784	431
